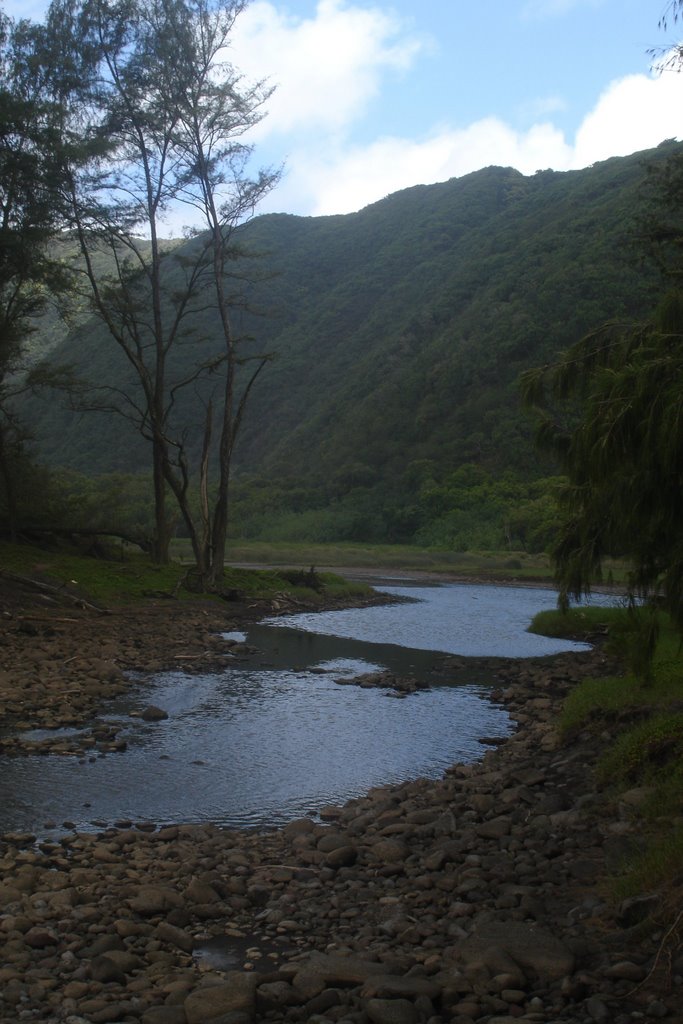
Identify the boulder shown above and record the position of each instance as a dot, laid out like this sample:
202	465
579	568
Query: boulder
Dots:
336	969
535	949
155	899
392	1011
236	994
342	857
153	714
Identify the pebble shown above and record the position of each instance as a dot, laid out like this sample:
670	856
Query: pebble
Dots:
475	897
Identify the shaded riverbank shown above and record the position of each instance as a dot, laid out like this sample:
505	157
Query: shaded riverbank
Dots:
476	897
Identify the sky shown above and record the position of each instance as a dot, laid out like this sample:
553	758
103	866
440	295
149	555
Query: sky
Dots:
374	96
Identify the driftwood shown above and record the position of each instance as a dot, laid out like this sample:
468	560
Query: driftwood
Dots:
45	618
83	531
52	591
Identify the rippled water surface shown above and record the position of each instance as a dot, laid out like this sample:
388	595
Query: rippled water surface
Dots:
476	621
274	737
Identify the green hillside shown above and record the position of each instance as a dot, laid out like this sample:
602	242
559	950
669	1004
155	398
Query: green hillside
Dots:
399	334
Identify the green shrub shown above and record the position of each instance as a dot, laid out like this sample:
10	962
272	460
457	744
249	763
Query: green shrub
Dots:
659	864
595	698
646	752
577	622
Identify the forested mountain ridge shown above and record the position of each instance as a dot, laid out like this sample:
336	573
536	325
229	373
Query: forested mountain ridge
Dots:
399	333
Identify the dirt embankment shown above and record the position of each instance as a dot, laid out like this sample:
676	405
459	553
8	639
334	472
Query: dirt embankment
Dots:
479	897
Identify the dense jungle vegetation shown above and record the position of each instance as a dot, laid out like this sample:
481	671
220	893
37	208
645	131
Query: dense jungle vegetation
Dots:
390	410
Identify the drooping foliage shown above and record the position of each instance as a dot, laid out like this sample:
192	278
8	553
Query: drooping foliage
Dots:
622	451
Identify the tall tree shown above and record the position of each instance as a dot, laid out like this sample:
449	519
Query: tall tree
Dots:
610	410
30	214
176	112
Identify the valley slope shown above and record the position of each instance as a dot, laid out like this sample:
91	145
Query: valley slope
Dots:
398	335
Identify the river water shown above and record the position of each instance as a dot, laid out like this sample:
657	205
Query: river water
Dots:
273	737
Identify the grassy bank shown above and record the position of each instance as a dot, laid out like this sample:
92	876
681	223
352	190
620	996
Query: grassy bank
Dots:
495	564
126	576
640	724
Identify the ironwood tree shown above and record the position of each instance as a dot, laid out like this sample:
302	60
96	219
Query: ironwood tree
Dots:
30	214
610	410
170	114
620	444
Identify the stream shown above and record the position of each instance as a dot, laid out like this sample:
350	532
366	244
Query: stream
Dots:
274	737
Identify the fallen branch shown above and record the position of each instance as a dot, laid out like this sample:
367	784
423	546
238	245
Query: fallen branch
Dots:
45	618
84	531
48	588
660	953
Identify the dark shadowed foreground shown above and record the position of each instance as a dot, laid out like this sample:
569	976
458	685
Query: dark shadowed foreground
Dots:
480	896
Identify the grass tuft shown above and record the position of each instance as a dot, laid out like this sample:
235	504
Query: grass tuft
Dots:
660	864
577	622
649	752
132	577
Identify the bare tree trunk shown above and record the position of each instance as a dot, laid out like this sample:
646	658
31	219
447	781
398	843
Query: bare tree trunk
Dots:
204	511
10	496
162	534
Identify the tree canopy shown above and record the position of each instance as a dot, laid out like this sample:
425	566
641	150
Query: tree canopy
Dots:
611	412
162	115
31	212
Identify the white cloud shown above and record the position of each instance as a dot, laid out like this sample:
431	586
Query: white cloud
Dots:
541	107
326	69
329	69
633	113
347	180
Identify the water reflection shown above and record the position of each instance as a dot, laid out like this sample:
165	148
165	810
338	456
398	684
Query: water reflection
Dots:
459	618
273	736
253	749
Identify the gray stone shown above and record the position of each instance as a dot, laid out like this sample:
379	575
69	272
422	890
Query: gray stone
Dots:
155	899
392	1011
164	1015
173	936
597	1009
274	995
104	970
153	714
342	970
326	999
625	970
308	984
635	909
532	948
124	960
237	993
636	797
390	986
390	851
343	857
496	828
331	840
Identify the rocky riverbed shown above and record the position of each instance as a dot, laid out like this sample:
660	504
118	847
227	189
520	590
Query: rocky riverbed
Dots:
480	897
